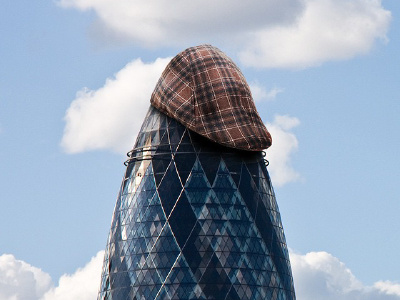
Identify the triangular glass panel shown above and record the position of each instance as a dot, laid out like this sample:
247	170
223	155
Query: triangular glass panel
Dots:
185	144
198	174
155	137
175	135
216	281
162	294
210	163
182	220
164	146
184	164
163	120
234	165
249	192
169	189
160	165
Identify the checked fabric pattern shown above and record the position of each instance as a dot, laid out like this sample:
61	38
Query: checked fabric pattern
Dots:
204	90
194	220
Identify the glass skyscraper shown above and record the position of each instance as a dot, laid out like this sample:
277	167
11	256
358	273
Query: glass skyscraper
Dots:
194	220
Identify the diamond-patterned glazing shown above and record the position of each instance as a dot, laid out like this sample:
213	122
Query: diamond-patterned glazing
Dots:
194	220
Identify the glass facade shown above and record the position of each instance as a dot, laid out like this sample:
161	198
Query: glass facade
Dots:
194	220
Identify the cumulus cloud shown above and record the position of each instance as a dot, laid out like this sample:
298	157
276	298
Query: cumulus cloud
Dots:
160	23
266	33
19	280
317	275
284	145
320	275
388	287
110	117
326	30
82	285
260	93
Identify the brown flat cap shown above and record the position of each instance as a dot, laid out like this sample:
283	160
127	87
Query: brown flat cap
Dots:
203	89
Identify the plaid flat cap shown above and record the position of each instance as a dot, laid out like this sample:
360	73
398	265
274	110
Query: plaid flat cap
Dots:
204	90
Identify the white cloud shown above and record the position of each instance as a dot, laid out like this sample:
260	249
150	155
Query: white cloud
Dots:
110	117
19	280
317	275
82	285
326	30
267	33
284	144
260	93
320	275
388	287
160	23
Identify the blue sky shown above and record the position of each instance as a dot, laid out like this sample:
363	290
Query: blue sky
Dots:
75	81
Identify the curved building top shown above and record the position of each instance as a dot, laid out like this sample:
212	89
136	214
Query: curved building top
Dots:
203	89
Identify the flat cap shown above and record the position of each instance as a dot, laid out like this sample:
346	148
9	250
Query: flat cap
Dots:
204	90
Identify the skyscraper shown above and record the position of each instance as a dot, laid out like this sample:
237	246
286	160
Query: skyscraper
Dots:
195	218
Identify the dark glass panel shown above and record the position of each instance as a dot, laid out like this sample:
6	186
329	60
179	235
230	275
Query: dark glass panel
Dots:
184	164
174	137
234	165
215	282
169	189
249	192
210	163
232	294
182	220
190	251
253	167
186	145
160	165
